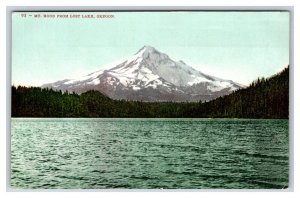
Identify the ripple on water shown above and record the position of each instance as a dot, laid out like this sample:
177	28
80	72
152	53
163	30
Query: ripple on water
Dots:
149	153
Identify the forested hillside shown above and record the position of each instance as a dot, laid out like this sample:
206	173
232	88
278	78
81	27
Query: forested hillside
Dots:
264	98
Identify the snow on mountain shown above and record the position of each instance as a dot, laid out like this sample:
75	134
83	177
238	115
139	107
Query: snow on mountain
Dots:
150	75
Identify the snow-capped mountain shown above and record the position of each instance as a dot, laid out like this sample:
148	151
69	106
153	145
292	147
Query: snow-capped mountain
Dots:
150	75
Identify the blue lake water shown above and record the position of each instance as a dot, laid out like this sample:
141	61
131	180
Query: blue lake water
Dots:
53	153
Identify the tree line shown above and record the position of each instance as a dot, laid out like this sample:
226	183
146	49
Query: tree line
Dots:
264	98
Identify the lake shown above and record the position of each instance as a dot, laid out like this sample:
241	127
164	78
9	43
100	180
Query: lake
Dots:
61	153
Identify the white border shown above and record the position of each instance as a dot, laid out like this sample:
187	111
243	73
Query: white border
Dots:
67	3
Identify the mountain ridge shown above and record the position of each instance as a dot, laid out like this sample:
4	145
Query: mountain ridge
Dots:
150	75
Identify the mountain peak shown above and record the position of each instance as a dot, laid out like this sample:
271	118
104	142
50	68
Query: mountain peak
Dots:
150	75
149	52
147	49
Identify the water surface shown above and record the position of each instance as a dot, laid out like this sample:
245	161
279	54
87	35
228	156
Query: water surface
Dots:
51	153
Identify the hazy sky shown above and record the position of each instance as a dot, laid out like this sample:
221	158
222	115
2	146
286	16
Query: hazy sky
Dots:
239	46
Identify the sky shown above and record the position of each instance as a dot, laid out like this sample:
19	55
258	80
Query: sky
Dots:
240	46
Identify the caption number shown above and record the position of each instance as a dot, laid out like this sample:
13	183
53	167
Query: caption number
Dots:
23	15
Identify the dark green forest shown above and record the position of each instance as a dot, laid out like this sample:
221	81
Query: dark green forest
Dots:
264	98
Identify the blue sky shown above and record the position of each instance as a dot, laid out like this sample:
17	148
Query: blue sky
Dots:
239	46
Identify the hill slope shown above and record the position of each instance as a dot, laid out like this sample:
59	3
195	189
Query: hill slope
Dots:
264	98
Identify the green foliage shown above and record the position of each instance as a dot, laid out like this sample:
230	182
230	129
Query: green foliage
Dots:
264	98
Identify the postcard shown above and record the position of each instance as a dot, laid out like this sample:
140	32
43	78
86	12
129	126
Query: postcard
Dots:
150	100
